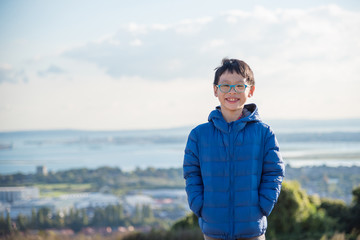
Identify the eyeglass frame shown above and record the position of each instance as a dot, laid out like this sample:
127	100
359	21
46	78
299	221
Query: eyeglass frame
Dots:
232	86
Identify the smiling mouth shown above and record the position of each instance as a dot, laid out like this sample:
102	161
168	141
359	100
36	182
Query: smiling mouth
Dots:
232	99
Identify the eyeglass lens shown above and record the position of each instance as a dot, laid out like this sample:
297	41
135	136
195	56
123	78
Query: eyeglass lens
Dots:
227	88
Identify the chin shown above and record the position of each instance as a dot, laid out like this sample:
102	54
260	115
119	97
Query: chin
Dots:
232	109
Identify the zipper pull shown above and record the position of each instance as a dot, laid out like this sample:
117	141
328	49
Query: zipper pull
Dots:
230	126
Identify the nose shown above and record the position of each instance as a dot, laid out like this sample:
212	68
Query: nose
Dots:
232	88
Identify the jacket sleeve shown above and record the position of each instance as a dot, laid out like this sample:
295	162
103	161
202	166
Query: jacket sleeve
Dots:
272	174
192	174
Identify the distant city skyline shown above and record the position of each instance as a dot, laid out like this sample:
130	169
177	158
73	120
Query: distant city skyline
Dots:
115	65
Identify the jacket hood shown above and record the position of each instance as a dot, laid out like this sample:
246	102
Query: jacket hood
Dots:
218	120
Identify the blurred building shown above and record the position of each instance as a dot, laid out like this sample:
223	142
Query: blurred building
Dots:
25	207
41	170
12	194
62	204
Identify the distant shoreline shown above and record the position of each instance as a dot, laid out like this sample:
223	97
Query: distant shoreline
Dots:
294	124
302	143
287	164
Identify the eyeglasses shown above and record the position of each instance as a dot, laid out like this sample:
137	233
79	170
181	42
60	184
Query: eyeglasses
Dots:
239	88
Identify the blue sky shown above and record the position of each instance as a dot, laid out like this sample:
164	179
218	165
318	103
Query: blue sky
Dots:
124	65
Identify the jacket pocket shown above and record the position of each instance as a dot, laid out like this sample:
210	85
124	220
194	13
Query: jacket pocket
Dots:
197	204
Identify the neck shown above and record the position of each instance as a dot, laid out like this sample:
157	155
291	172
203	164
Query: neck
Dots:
231	116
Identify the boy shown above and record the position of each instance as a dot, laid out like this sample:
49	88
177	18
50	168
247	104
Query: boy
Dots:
232	165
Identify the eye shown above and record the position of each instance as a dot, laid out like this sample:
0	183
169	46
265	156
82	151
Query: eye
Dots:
224	87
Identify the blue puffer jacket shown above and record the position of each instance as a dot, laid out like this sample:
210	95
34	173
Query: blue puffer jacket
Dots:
233	175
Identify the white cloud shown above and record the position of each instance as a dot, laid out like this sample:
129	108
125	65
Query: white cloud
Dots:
160	27
136	42
9	74
135	28
289	37
306	64
213	43
51	70
191	26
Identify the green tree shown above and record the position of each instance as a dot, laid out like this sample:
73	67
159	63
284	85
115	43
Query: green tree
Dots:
147	213
138	217
22	222
44	218
293	207
188	222
354	218
297	216
120	214
117	216
75	219
59	220
112	215
6	227
2	224
99	217
33	221
8	224
84	218
338	211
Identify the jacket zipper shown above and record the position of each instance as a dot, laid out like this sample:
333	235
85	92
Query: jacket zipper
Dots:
231	151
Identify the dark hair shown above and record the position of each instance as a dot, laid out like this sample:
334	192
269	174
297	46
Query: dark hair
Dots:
236	65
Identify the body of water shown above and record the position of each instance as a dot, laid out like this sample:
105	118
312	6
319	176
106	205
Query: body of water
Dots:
332	143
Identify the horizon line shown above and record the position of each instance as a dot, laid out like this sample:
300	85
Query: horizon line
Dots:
165	128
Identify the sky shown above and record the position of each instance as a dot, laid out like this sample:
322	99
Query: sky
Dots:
112	65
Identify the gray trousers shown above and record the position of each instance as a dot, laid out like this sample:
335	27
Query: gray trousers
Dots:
261	237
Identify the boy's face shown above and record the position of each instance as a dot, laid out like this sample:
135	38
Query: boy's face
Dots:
233	102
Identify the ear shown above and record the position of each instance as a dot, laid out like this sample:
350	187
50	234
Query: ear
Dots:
216	91
251	92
